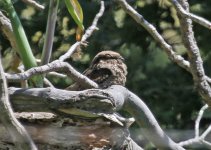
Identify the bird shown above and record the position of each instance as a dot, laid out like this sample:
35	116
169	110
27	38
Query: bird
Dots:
107	68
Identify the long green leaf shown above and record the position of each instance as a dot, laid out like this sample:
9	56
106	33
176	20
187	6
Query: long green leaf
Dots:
24	48
76	12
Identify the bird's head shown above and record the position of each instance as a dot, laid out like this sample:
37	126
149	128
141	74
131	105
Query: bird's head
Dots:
112	64
107	55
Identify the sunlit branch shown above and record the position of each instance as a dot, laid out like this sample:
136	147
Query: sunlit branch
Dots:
195	18
34	4
194	56
54	66
198	139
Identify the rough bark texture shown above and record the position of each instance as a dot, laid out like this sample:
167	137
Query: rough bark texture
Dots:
57	133
93	103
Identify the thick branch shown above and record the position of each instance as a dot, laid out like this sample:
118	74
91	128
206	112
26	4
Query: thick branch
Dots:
20	136
196	63
119	97
196	67
149	126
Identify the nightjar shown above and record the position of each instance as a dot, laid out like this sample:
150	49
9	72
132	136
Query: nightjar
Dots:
106	69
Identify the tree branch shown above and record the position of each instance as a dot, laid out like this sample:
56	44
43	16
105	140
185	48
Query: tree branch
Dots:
18	133
178	59
6	28
95	101
198	119
195	68
54	66
196	63
191	16
34	4
198	139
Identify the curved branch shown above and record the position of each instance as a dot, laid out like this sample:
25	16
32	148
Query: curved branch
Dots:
20	136
149	126
34	4
6	27
119	97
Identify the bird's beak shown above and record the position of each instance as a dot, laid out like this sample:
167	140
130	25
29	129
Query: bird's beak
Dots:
122	58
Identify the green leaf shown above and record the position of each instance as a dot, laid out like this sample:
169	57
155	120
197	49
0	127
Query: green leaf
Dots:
24	48
76	12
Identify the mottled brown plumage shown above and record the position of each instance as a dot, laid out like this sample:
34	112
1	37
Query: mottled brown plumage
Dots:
106	69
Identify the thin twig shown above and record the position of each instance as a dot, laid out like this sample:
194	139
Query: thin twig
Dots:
206	132
197	122
6	27
87	34
60	75
198	139
34	4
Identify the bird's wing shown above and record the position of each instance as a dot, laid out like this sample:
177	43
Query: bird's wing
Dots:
97	75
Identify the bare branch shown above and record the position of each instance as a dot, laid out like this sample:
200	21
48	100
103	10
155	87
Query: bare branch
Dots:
206	132
200	79
54	66
48	83
87	34
93	27
34	4
190	142
57	74
178	59
193	17
198	139
196	63
197	122
6	27
18	133
207	143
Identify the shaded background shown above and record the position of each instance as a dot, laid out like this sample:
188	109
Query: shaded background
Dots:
167	89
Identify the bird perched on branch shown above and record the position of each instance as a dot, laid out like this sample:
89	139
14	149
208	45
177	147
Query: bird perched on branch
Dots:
106	69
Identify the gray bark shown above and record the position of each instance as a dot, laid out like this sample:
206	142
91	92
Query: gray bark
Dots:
93	101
